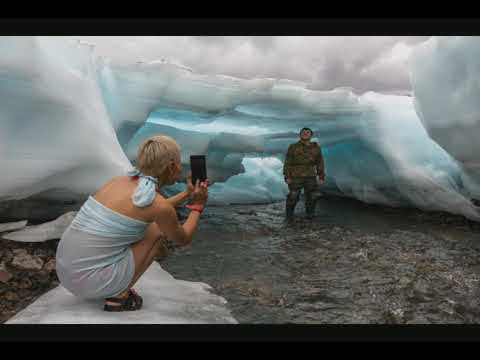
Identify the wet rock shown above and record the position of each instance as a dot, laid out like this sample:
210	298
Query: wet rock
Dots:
42	279
282	301
394	316
50	266
419	320
24	261
11	296
16	252
41	252
421	287
24	283
24	294
6	256
5	276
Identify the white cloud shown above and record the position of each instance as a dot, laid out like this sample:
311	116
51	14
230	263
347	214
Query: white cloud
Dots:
363	62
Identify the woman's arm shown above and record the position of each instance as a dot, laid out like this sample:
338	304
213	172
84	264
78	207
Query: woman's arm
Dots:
179	198
167	220
166	217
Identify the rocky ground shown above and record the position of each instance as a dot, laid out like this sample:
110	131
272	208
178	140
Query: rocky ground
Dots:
26	272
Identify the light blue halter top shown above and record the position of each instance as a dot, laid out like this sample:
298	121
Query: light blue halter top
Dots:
97	219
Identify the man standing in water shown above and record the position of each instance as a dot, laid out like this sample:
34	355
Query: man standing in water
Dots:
303	164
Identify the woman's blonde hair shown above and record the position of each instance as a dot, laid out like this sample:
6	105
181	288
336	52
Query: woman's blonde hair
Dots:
156	154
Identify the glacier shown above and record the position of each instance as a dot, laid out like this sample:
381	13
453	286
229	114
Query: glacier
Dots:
71	119
446	84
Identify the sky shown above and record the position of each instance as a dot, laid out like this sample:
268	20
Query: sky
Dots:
365	63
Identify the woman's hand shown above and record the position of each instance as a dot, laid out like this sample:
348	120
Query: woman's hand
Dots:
200	193
190	187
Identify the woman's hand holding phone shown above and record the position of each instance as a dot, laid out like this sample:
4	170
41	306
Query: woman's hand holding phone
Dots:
190	186
200	192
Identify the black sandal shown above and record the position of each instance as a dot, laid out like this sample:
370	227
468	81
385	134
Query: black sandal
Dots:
138	298
131	303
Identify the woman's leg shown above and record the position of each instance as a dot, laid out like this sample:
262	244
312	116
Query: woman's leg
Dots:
158	250
145	251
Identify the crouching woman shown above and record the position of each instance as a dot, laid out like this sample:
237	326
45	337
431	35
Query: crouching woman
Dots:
119	231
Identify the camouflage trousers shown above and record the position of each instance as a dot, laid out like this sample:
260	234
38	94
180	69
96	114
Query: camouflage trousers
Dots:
310	186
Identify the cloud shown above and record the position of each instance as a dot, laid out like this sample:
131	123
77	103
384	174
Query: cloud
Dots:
377	63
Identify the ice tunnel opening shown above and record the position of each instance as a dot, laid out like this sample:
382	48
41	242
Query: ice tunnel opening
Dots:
246	146
254	174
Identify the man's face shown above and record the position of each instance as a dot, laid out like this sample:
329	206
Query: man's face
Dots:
306	135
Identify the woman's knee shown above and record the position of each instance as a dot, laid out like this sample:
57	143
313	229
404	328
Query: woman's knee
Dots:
154	233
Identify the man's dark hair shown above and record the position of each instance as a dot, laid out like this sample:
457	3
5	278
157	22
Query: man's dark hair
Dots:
305	128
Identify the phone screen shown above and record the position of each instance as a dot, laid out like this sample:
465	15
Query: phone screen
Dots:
199	168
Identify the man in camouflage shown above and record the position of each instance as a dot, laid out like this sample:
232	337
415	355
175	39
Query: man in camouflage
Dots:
303	164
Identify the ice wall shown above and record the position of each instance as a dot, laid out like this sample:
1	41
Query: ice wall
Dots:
54	128
445	79
379	153
70	119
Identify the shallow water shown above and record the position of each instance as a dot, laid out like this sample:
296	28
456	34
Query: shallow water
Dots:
354	263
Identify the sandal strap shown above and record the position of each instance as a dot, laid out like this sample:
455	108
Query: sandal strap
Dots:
138	299
131	302
115	300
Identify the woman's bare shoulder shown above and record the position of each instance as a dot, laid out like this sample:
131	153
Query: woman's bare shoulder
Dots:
117	195
116	183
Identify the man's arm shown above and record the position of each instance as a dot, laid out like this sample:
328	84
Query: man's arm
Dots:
320	165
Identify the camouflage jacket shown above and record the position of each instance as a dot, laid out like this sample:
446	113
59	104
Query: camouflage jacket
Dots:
304	160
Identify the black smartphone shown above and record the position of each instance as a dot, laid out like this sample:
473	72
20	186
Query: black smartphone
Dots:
198	166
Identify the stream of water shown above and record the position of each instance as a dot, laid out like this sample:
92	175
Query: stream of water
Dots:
353	263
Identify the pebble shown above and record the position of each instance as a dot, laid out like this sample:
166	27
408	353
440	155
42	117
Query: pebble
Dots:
19	252
11	296
24	284
5	276
23	261
50	266
6	256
